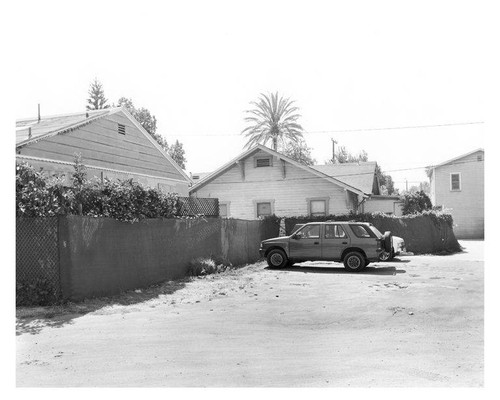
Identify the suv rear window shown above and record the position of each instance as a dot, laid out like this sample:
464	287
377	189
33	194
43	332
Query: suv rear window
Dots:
360	231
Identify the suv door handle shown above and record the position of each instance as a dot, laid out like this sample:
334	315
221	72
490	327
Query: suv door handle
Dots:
316	242
344	242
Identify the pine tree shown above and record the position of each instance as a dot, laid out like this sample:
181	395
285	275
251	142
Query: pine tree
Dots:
96	100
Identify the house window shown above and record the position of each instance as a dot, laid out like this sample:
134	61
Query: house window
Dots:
263	162
264	209
224	209
121	129
317	207
455	182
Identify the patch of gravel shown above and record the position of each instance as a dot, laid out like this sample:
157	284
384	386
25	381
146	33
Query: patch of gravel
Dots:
187	290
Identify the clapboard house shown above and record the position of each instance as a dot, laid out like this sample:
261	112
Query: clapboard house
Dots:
457	185
111	142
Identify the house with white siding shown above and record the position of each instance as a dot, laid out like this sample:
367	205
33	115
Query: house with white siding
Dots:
261	182
112	144
457	185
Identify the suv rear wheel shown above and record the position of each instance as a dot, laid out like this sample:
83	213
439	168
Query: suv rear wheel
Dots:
354	261
277	258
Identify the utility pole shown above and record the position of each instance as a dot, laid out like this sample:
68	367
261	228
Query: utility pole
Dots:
406	180
333	150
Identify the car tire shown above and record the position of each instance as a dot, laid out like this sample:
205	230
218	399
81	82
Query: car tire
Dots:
354	261
277	258
386	255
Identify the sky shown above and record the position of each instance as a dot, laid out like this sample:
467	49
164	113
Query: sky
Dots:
352	68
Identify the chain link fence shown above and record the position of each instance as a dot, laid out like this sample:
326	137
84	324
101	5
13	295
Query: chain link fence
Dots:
37	261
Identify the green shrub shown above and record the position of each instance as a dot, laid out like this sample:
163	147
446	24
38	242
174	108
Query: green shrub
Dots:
414	203
38	291
38	195
435	216
207	265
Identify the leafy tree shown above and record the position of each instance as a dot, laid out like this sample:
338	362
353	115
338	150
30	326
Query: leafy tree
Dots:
417	202
344	156
176	151
274	119
425	186
299	151
96	100
385	181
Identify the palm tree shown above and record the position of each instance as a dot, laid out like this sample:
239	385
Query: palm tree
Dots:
273	119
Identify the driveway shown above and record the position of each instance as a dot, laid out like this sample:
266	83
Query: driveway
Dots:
417	321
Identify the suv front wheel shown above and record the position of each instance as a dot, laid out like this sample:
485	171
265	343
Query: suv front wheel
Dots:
277	258
354	261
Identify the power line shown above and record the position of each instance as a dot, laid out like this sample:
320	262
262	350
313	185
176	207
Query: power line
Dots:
345	130
400	127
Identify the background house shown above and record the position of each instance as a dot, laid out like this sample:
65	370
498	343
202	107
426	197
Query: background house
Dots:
458	185
262	182
363	176
111	142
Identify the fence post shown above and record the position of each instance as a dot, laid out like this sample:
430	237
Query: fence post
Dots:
64	256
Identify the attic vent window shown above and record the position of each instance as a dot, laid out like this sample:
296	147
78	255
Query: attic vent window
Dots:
479	157
263	162
196	177
121	129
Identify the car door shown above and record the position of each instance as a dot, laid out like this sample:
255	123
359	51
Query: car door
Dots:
306	243
335	240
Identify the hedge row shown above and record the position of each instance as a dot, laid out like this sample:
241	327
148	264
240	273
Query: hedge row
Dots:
38	195
425	232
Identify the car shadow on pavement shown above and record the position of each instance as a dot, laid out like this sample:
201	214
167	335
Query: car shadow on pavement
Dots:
342	270
31	320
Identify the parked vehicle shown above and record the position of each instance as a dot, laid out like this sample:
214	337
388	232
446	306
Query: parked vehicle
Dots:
356	244
398	247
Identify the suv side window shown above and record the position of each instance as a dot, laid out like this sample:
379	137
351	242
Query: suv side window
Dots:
334	232
310	232
360	231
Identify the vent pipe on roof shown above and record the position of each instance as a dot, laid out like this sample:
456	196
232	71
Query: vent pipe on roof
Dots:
29	132
39	112
86	114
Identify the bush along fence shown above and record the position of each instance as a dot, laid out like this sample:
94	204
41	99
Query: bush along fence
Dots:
75	257
426	232
38	195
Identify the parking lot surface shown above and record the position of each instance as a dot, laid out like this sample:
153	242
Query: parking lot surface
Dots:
417	321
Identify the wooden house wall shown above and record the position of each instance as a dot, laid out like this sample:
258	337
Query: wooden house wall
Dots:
467	205
289	195
103	147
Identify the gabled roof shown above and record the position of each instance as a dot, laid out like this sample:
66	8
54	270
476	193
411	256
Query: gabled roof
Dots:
457	158
360	175
55	124
49	126
260	147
